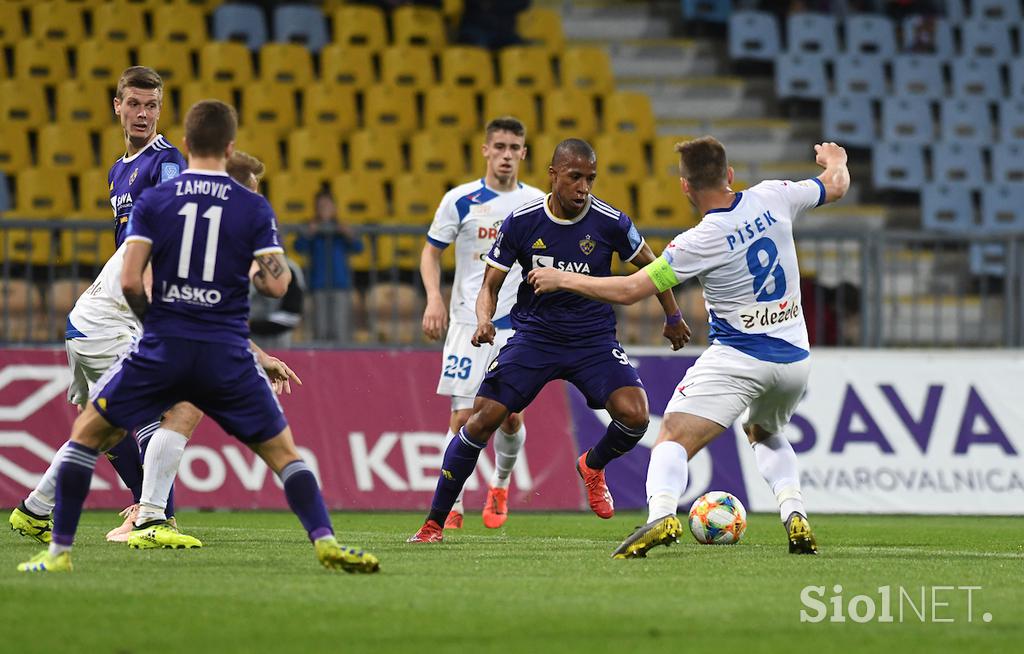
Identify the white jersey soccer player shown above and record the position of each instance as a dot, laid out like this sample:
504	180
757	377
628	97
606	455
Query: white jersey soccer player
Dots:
469	216
744	256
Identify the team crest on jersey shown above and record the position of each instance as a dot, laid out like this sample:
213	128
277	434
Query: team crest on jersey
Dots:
135	173
587	245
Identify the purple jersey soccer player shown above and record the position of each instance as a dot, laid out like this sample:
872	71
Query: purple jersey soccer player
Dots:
560	336
202	232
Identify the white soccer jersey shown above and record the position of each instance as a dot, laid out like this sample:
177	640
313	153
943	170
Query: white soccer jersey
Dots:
745	259
469	216
101	311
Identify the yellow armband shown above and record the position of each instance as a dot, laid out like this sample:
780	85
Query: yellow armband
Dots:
661	274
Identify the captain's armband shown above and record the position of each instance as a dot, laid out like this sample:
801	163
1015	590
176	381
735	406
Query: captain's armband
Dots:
661	274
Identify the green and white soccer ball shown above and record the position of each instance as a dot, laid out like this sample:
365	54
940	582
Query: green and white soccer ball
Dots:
717	518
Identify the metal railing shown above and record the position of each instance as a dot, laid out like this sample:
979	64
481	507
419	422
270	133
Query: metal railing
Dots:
869	288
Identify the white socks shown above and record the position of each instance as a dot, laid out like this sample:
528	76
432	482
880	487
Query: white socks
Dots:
44	496
666	479
506	451
457	507
777	462
160	467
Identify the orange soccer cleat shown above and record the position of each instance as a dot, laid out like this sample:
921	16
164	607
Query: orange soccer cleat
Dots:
430	532
597	490
453	521
496	508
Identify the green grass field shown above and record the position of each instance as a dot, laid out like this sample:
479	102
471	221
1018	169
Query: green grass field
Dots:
544	583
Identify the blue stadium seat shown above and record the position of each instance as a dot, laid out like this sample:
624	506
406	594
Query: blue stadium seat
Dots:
947	208
848	120
919	76
985	39
1002	209
965	120
870	34
711	11
811	34
240	22
907	120
753	35
800	76
958	164
300	24
953	10
987	259
897	166
928	35
1016	68
1008	163
978	78
1005	10
1011	120
862	75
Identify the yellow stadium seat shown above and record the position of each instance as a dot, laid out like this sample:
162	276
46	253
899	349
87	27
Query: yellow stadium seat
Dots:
172	61
263	145
543	27
179	23
405	66
520	103
620	156
207	5
84	104
193	92
12	27
225	61
118	23
313	153
467	66
23	104
330	108
101	61
58	22
571	112
452	11
112	145
347	66
94	196
292	196
65	147
416	198
540	148
390	108
175	135
34	244
661	204
89	247
418	26
43	193
360	199
451	109
588	69
436	152
526	67
39	60
629	111
15	155
375	153
287	64
268	106
614	191
360	26
665	157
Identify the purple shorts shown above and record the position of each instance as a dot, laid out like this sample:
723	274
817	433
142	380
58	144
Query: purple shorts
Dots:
222	379
524	366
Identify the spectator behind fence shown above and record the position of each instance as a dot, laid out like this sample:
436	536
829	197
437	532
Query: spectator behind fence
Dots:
327	242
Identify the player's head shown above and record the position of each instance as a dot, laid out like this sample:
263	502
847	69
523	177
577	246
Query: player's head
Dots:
504	148
210	127
572	172
703	166
246	169
140	93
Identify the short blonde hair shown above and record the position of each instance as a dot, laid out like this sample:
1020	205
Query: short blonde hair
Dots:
242	165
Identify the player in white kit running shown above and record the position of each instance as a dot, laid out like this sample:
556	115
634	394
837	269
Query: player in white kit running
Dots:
469	216
744	256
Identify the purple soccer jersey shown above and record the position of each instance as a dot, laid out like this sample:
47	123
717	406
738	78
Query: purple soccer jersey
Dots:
158	162
535	238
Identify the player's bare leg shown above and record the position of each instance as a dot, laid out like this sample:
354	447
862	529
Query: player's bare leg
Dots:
777	463
630	417
508	441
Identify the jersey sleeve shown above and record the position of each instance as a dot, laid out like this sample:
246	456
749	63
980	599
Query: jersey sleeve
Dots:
140	225
628	240
687	254
445	226
799	196
505	250
265	238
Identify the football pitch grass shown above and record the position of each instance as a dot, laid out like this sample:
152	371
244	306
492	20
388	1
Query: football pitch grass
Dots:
543	583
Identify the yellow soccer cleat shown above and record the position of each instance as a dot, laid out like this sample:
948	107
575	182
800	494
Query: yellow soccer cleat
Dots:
340	557
161	535
663	531
43	562
801	540
37	529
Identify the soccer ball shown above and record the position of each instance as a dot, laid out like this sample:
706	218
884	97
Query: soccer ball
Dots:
717	518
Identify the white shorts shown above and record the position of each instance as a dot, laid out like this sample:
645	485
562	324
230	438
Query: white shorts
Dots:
463	366
724	382
88	359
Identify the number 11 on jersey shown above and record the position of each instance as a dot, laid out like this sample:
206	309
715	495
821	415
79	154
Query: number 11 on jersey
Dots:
190	210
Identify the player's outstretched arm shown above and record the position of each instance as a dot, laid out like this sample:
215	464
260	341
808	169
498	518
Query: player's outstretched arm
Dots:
486	304
274	275
133	285
621	289
836	177
676	330
435	316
